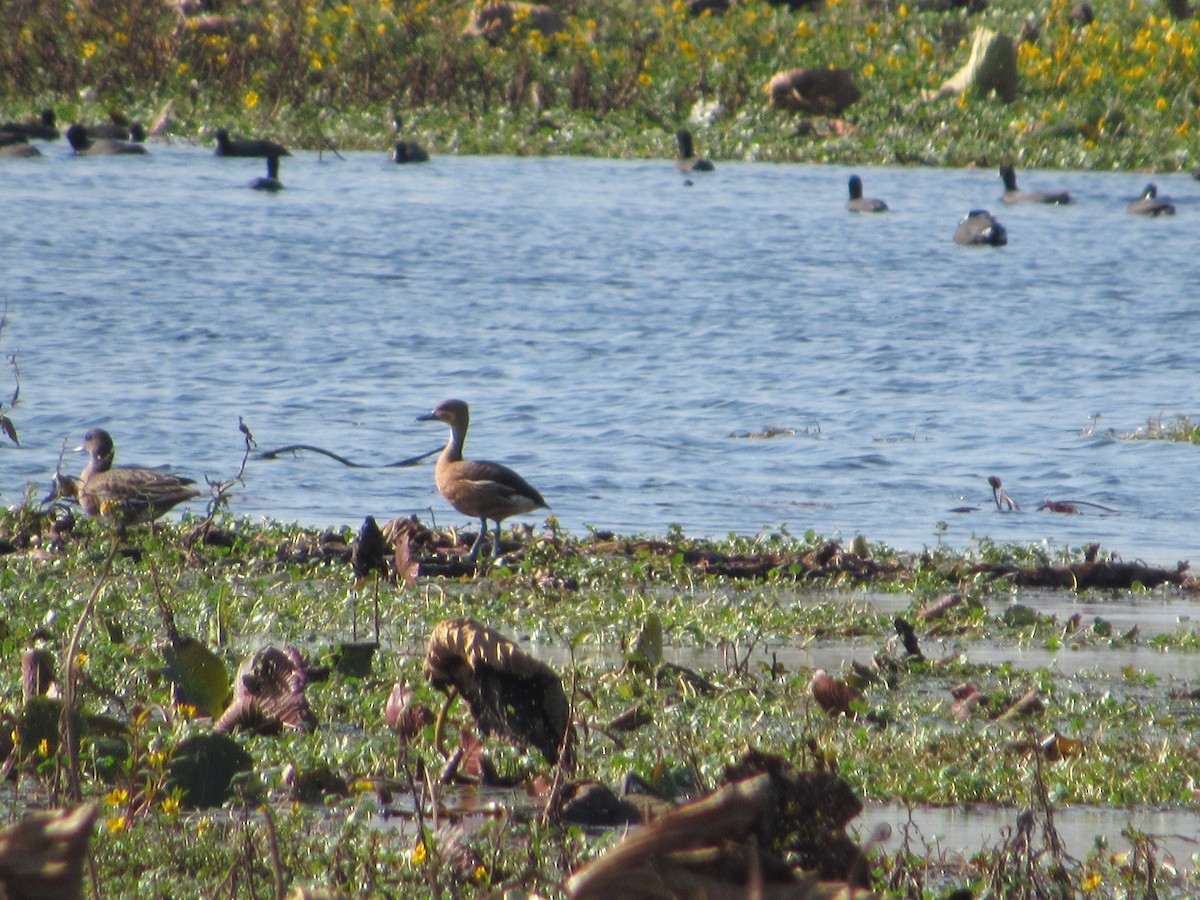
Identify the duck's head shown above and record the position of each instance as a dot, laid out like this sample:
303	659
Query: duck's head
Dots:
77	137
1009	176
683	138
98	444
454	413
856	187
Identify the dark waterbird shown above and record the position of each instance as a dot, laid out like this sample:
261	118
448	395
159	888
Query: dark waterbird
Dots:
687	161
482	490
118	129
83	145
979	227
1013	195
126	494
247	148
271	182
1149	204
406	151
859	203
43	128
18	147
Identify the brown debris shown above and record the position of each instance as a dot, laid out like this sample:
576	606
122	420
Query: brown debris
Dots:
826	92
268	694
402	716
832	695
511	694
721	846
42	856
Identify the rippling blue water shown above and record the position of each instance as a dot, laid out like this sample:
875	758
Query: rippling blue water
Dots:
611	328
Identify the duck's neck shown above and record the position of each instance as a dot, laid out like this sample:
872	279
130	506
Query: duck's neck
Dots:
454	446
95	466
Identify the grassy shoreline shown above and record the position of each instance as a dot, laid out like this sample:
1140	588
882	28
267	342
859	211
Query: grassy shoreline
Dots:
616	80
1126	740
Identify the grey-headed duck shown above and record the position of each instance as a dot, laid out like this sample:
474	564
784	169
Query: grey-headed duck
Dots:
83	145
687	161
859	203
271	182
1013	195
1150	204
44	128
979	227
226	146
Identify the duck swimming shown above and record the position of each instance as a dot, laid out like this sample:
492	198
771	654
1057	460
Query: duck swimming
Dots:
859	203
1013	195
1149	204
687	161
256	148
979	227
83	145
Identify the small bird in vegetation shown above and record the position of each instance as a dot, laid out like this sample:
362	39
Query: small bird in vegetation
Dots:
228	147
271	182
859	203
126	494
1000	495
83	145
1149	204
1013	195
832	695
979	227
483	490
687	161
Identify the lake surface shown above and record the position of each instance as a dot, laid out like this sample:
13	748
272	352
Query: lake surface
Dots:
612	327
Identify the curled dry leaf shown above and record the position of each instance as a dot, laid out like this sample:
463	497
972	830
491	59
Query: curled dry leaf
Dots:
511	694
268	694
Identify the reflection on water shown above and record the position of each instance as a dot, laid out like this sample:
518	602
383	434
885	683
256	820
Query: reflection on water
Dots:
934	830
612	330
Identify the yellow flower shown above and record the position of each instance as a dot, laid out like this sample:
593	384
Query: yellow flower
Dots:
872	29
802	29
327	40
1092	882
121	38
251	99
156	759
418	854
380	28
186	711
117	796
902	11
44	746
480	875
81	659
115	824
644	79
170	806
868	70
1160	104
1184	128
89	50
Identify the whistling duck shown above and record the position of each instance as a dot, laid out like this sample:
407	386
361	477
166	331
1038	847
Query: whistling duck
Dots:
271	182
980	227
1013	195
483	490
1149	204
859	203
83	145
687	161
228	147
127	494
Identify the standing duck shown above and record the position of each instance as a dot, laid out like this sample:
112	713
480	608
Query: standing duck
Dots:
229	147
1149	204
859	203
482	490
980	227
1013	195
687	161
126	494
77	136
